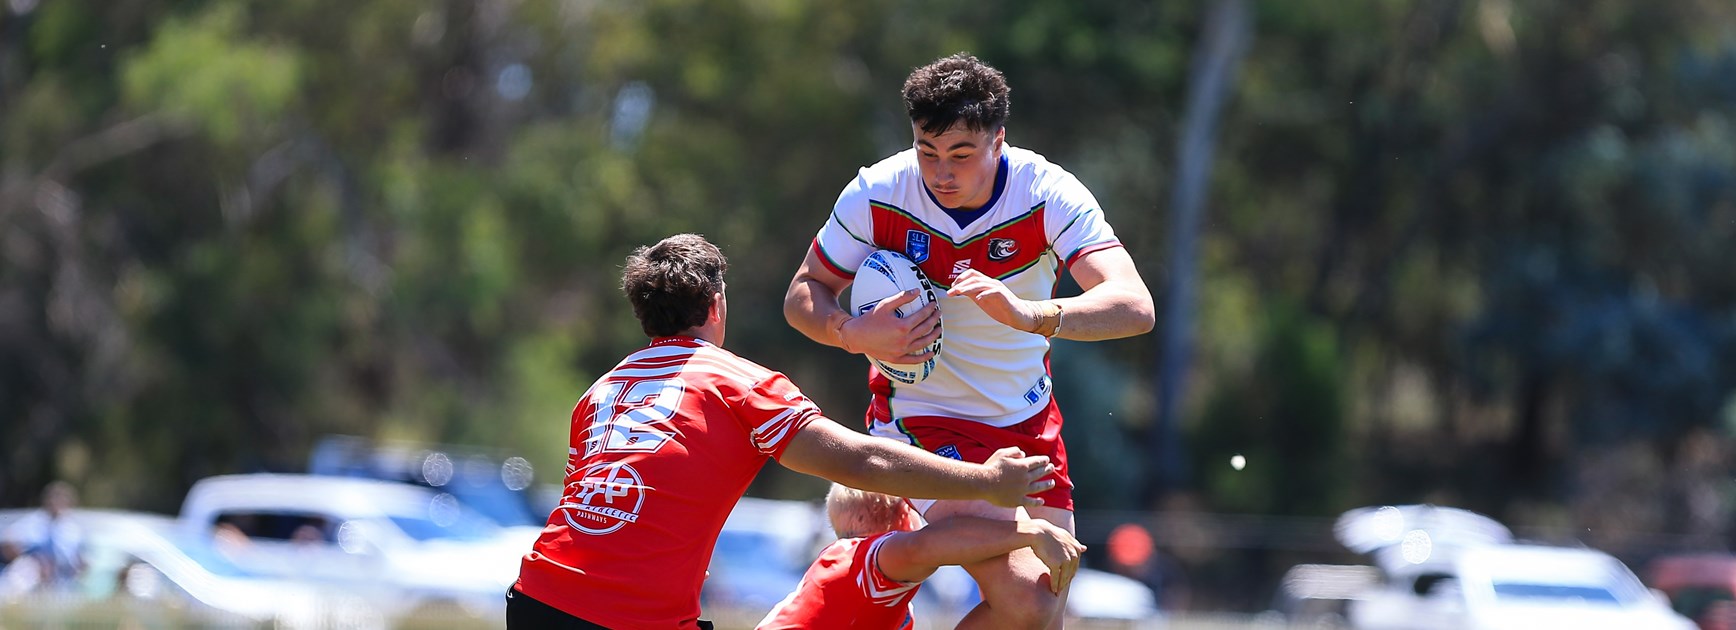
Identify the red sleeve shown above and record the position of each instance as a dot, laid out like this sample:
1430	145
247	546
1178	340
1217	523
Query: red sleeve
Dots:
877	586
773	412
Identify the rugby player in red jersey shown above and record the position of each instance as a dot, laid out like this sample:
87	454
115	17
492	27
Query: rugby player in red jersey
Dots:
663	445
867	578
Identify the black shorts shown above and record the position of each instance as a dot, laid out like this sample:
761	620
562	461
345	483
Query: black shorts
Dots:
524	612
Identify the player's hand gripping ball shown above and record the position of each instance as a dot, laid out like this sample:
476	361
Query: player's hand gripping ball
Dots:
886	273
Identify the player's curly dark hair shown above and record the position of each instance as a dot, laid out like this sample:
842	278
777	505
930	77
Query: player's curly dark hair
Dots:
957	88
671	284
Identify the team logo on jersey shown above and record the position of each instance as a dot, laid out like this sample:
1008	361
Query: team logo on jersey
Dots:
958	268
605	497
916	245
1002	248
1035	393
949	451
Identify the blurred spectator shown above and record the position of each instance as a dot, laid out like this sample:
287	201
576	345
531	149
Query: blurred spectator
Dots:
229	536
46	543
1132	554
308	534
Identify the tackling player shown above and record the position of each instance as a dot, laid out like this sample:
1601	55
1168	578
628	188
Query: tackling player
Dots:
866	580
663	445
995	225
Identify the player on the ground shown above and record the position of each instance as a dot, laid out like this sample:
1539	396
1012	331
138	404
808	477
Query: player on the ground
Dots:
995	225
663	445
867	578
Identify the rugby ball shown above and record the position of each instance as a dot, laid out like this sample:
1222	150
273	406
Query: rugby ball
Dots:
884	274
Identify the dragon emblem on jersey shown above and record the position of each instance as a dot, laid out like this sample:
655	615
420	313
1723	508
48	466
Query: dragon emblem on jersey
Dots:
916	245
606	497
1002	248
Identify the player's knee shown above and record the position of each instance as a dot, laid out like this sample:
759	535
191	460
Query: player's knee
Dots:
1033	606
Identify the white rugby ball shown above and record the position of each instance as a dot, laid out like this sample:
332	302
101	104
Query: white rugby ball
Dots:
884	274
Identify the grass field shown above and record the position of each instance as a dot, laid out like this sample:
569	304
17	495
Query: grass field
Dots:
134	615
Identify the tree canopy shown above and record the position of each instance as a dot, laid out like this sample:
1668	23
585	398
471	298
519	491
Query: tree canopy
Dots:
1436	228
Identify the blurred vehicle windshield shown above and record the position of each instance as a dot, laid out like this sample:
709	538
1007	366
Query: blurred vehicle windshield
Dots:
1520	590
493	485
465	524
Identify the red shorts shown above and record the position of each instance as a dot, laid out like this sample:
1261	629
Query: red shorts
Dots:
975	442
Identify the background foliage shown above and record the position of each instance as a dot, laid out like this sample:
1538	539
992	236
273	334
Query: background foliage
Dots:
1465	251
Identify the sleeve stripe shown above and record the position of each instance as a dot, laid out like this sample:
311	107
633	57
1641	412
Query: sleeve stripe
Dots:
1090	248
831	265
876	586
846	229
772	432
1069	226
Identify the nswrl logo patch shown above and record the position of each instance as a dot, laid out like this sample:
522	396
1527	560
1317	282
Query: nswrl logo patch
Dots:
916	245
949	451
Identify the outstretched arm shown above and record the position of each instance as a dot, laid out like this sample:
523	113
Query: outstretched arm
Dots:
913	556
825	449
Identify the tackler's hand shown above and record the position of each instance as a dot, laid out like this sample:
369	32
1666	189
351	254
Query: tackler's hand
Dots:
1056	548
1017	477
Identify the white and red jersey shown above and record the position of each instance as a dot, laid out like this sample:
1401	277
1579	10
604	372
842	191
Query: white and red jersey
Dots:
844	588
1039	220
661	447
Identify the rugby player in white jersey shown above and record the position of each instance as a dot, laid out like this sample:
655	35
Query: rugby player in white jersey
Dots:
995	226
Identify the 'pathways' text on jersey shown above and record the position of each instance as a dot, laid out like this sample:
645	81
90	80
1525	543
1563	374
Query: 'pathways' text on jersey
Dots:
660	449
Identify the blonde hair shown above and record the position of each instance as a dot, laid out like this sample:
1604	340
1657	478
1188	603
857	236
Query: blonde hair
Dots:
856	513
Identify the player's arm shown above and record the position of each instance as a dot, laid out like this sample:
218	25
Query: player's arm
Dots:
826	449
811	306
913	556
1113	303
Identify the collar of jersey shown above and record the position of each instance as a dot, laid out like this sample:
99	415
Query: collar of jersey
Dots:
679	339
966	217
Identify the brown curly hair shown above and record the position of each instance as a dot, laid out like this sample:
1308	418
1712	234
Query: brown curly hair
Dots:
671	284
954	89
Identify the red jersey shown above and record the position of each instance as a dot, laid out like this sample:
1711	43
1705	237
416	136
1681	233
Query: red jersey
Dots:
845	589
661	447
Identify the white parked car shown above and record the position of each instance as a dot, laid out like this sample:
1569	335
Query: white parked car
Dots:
1501	587
1448	569
432	549
143	566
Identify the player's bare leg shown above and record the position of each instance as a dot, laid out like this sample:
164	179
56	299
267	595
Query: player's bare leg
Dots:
1015	586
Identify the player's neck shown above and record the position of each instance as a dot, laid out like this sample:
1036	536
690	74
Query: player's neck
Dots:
711	334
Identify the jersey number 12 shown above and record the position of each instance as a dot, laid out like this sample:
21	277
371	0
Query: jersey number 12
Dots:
636	421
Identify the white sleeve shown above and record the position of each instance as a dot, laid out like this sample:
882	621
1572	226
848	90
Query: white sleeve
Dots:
847	238
1074	222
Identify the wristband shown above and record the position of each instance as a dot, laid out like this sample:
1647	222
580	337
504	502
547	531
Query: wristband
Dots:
1049	320
838	331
